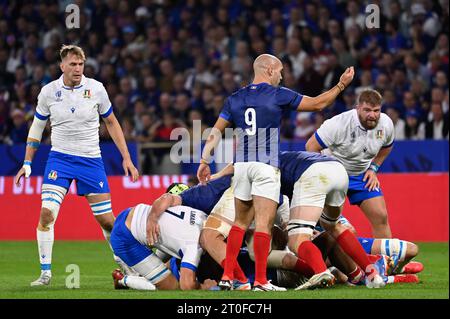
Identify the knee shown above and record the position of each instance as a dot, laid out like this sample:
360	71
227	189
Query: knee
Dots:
205	238
412	250
46	218
380	217
294	243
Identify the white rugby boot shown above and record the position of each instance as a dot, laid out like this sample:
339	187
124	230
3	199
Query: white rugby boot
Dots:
43	280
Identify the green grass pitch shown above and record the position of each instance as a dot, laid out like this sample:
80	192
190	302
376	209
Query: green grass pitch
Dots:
19	266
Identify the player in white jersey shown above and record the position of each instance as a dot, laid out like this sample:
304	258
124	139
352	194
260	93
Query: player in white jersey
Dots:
73	103
180	228
361	139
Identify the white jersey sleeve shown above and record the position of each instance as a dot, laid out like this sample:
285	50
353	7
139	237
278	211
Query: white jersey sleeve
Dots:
42	108
105	107
390	131
329	134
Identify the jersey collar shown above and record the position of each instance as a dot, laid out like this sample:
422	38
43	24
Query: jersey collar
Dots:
83	82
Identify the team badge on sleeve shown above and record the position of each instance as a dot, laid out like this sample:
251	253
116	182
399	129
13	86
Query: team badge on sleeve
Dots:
379	134
87	94
53	175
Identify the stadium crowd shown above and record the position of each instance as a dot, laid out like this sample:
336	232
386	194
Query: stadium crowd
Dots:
166	63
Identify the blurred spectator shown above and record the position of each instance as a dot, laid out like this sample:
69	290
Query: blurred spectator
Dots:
437	128
413	129
19	130
399	124
159	56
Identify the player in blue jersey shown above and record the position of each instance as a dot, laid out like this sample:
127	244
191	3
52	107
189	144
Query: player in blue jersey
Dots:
74	104
255	111
317	186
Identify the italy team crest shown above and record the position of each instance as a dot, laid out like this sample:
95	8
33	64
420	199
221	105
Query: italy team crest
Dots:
379	134
87	94
53	175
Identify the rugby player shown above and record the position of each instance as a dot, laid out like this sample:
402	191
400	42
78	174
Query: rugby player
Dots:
361	139
73	103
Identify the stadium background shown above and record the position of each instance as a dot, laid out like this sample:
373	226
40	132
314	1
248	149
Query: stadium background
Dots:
166	63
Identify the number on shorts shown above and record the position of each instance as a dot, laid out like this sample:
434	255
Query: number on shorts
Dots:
250	119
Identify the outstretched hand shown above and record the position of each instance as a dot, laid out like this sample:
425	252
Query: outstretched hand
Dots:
347	76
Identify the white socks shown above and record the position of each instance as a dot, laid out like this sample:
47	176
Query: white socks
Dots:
138	283
45	245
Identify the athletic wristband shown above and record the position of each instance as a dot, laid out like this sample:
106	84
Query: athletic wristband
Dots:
33	144
340	86
27	163
374	167
203	161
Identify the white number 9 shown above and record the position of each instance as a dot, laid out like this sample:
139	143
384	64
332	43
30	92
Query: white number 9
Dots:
250	119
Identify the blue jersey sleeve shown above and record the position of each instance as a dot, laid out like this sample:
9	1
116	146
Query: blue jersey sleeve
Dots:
288	99
226	111
205	197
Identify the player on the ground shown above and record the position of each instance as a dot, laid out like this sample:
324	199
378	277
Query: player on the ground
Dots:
401	251
361	139
73	103
180	229
255	111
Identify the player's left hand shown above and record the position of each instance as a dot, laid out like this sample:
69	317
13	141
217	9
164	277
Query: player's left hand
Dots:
372	180
203	173
129	168
152	230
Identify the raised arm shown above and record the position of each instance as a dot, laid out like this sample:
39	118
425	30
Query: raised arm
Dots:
318	103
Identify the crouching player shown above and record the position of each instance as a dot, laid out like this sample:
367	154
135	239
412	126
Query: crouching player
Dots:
318	185
179	230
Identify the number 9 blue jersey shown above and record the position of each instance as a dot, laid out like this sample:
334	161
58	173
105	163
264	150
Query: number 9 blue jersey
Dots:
255	111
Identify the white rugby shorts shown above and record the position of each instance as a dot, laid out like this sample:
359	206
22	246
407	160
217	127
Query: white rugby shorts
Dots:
322	183
255	178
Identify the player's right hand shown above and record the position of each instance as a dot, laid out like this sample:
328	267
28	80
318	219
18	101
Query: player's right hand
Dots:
24	170
347	76
152	230
203	173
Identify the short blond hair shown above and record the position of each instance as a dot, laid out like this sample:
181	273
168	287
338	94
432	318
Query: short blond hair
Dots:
71	49
371	97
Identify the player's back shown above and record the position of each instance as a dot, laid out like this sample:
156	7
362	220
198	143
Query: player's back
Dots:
294	164
256	111
180	228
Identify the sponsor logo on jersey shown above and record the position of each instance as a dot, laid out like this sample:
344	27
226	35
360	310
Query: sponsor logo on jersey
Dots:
53	175
353	137
101	184
58	95
87	94
379	134
72	109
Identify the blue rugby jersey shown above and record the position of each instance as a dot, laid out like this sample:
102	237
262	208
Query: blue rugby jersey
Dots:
294	164
205	197
256	107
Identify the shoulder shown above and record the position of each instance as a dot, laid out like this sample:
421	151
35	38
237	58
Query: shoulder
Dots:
94	83
386	121
50	87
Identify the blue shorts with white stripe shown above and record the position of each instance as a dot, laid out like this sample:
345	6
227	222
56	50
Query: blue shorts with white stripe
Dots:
88	173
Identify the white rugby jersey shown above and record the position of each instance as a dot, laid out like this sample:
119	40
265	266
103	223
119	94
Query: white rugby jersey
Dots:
353	145
180	228
74	115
